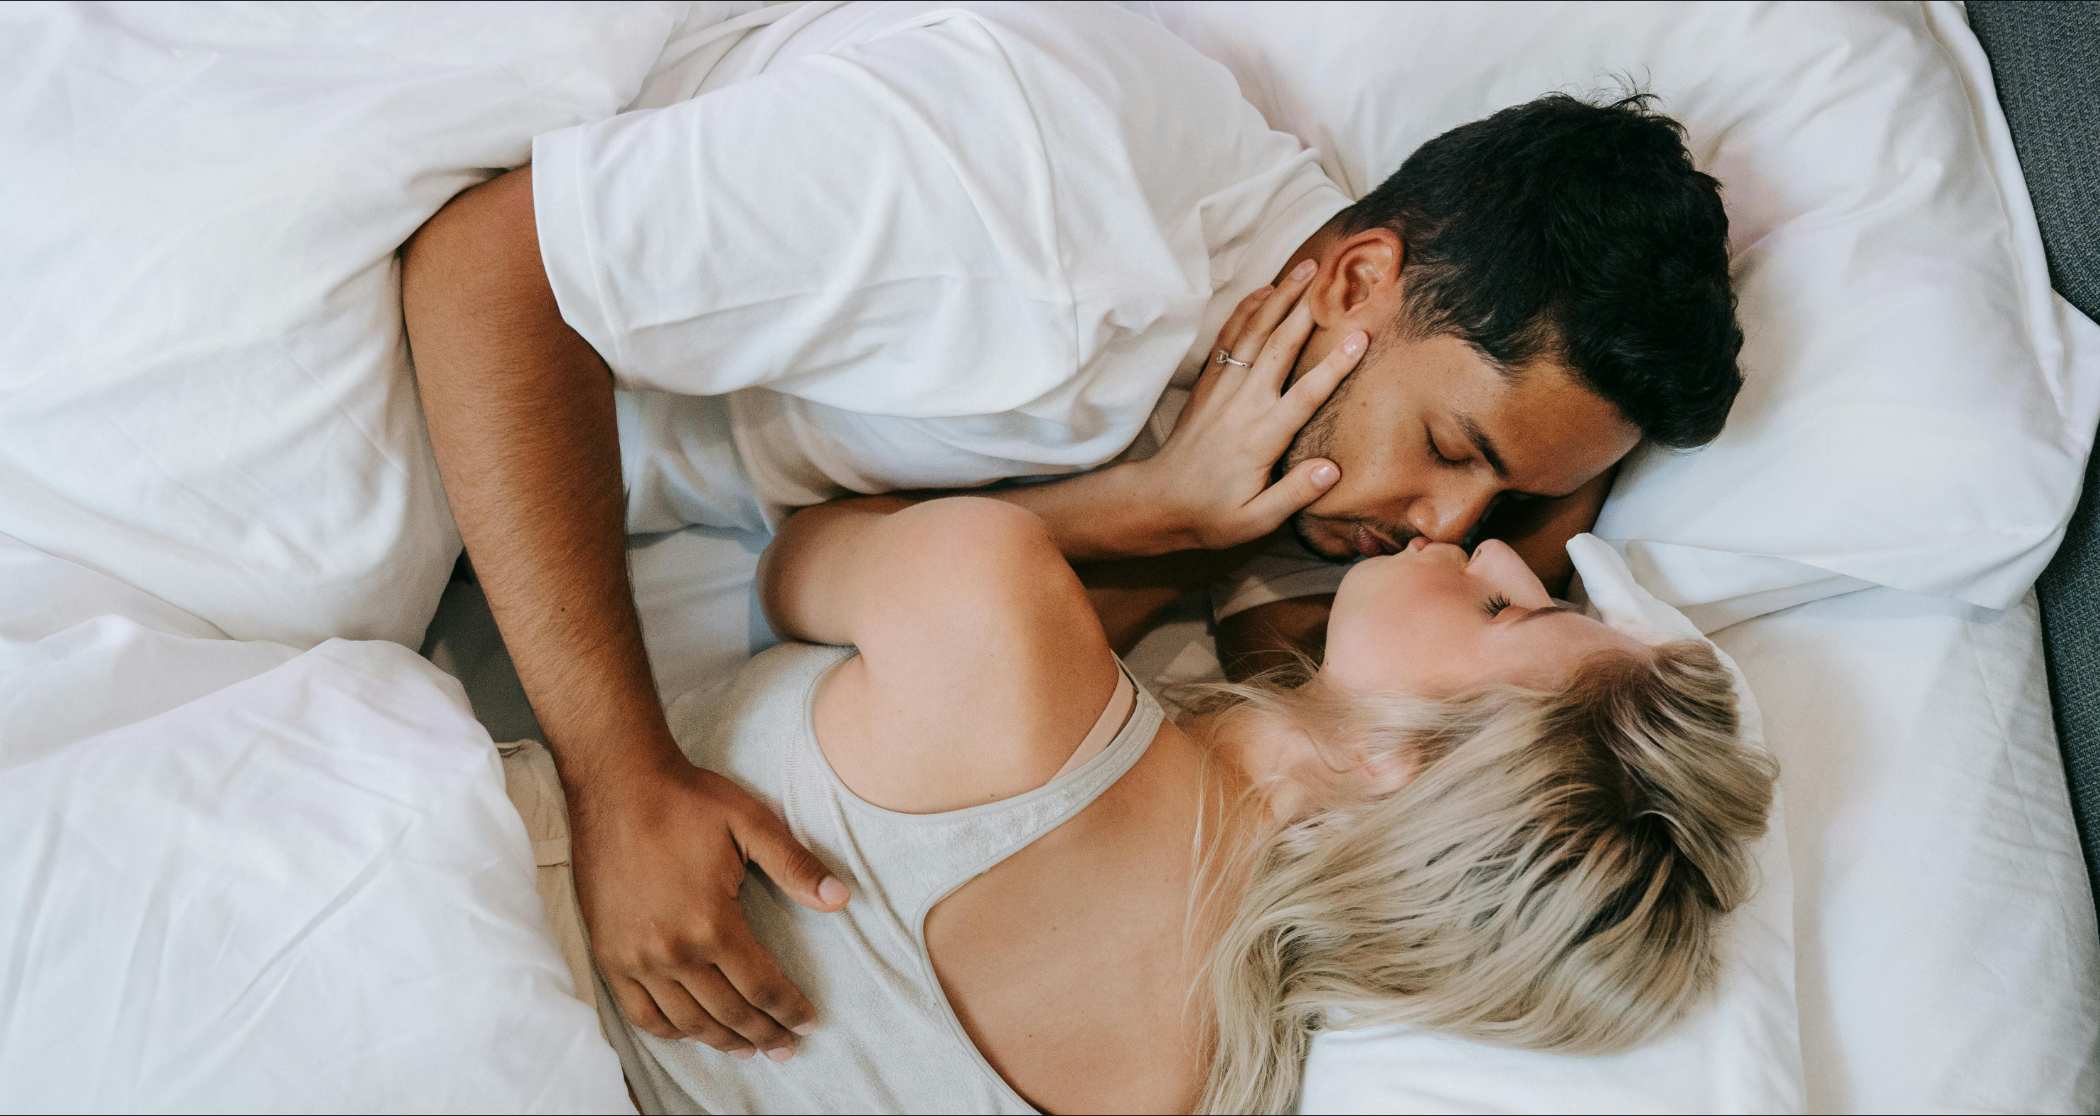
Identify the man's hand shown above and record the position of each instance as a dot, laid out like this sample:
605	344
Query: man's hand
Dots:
658	864
1211	481
520	411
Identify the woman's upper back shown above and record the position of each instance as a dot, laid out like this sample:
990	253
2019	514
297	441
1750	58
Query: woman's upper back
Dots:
1034	936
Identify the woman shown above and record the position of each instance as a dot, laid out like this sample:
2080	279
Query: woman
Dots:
1482	814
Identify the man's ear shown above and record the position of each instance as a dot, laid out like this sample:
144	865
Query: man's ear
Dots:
1360	283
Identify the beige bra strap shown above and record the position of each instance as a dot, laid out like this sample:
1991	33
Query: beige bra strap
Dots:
1104	731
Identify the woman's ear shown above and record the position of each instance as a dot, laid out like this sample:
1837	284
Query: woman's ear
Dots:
1389	770
1357	281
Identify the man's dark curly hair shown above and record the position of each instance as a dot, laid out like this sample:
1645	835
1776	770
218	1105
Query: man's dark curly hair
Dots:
1578	233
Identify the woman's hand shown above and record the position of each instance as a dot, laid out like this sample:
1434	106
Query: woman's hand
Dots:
1211	480
1208	488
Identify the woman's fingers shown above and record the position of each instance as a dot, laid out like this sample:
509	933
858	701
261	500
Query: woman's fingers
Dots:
1278	502
1280	354
1214	369
1296	407
1229	335
1248	345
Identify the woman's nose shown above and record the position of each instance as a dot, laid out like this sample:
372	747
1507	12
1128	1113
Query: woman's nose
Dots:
1504	572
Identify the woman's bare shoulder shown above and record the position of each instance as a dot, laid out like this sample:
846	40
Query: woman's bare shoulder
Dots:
979	677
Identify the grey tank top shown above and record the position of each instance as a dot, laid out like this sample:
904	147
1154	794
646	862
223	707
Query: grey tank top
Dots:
887	1039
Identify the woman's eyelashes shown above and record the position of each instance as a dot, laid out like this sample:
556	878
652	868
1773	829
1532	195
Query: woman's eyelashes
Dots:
1494	605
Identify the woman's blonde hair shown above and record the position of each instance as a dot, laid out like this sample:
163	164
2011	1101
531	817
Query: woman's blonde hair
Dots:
1552	876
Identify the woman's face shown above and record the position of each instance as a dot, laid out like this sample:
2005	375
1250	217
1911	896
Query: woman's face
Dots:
1434	622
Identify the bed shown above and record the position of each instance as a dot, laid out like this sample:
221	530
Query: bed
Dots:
254	865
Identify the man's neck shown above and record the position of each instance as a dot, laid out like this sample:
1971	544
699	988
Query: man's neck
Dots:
1316	246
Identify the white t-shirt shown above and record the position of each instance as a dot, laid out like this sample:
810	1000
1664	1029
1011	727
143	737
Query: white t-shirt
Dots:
912	245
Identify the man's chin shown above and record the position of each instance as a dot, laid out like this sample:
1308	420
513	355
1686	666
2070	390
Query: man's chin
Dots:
1313	539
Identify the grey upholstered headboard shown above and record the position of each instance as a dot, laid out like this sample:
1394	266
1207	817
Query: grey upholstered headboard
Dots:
2046	59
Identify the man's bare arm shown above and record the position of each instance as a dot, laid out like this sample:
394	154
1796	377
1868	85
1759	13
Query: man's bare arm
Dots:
520	411
1274	634
1128	595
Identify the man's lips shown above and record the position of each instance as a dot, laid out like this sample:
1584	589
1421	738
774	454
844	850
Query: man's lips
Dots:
1370	543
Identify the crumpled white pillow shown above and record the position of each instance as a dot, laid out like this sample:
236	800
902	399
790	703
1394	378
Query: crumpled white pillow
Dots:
204	384
1919	403
1739	1052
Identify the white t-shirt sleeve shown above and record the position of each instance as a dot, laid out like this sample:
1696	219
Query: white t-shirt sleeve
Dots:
851	228
1280	571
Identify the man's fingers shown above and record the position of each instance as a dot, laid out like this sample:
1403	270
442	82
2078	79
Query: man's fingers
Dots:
722	1001
767	843
640	1004
693	1021
757	979
640	1008
1296	407
1299	487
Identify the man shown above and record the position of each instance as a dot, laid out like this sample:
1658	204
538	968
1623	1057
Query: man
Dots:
917	247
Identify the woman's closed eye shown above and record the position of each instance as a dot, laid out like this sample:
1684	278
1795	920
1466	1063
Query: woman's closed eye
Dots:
1494	605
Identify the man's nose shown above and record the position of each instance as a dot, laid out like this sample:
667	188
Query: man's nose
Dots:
1449	517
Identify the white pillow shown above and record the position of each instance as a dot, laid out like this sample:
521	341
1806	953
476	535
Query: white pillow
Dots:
1739	1052
242	878
204	385
1919	404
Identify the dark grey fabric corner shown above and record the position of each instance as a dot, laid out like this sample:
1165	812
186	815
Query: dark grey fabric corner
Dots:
2045	58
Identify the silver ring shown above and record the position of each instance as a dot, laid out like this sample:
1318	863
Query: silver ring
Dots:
1226	358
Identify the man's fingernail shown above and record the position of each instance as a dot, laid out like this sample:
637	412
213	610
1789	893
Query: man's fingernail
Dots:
781	1053
831	890
1324	475
1304	270
1355	342
804	1028
742	1052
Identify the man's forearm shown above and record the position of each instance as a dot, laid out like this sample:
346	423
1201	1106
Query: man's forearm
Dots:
1274	635
520	411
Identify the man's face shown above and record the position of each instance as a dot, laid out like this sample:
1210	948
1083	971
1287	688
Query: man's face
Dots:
1429	435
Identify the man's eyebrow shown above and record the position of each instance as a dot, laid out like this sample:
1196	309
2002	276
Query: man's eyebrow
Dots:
1482	444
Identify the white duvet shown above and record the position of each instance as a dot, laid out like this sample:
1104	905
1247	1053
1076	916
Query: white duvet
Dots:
242	877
